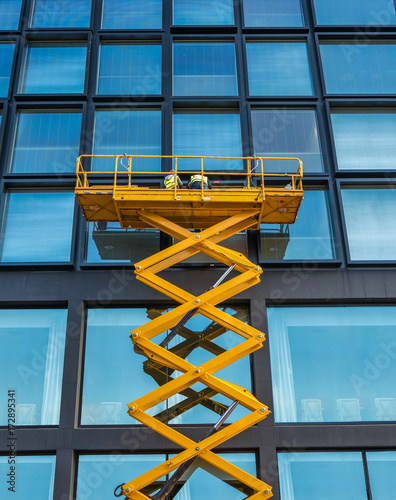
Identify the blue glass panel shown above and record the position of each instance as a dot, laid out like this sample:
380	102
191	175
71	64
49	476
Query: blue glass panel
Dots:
61	14
369	218
130	69
287	133
351	68
30	234
207	134
47	65
364	140
204	12
46	141
310	476
32	344
332	364
355	12
127	15
6	58
272	13
204	69
135	132
35	471
310	238
278	68
381	469
10	11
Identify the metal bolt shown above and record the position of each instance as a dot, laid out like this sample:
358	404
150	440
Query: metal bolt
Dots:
128	490
197	448
138	267
197	236
266	492
131	408
197	301
262	410
259	336
170	463
256	268
135	334
196	371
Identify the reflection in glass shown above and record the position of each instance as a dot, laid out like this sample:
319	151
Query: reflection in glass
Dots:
9	14
381	470
333	364
272	13
30	234
278	68
207	134
309	238
287	132
369	219
204	69
364	140
351	68
204	12
32	344
47	64
310	476
35	472
130	69
6	58
46	141
61	14
355	12
127	15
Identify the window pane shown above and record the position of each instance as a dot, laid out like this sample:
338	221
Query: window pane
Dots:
36	473
350	68
130	69
32	344
136	132
381	469
207	134
310	476
6	58
203	12
127	15
9	14
309	238
370	223
355	12
46	141
364	140
204	69
46	66
278	68
38	227
272	13
61	14
333	364
106	242
287	132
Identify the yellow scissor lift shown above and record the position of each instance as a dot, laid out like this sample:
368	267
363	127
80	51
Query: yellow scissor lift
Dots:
200	219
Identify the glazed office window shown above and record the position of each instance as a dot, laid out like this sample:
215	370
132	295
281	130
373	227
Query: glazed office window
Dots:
311	237
351	68
136	132
364	139
10	11
278	69
272	13
6	58
369	221
204	68
380	471
310	476
37	227
355	12
127	15
210	133
333	364
205	12
32	344
287	133
61	14
107	392
106	243
46	141
46	66
130	69
35	472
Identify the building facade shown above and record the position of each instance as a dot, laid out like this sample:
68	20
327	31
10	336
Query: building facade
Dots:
312	79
